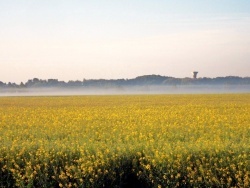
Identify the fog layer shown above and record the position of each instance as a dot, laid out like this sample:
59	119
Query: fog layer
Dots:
128	90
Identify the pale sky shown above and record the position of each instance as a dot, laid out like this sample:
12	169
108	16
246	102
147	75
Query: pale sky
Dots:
76	39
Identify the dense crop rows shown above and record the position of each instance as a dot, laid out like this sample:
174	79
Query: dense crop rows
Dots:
121	141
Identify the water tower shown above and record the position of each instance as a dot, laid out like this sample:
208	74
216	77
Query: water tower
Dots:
194	74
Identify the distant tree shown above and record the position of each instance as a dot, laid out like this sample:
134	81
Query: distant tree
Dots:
2	84
187	81
22	85
35	80
172	81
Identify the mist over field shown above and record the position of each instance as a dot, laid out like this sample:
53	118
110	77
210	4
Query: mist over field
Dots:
128	90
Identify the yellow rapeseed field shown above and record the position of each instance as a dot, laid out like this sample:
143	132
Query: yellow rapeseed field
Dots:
120	141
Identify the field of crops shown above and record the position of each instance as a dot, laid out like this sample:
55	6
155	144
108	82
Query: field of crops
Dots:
125	141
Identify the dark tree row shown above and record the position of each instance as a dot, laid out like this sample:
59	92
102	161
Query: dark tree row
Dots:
146	80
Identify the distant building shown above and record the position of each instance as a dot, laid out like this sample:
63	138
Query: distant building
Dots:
194	74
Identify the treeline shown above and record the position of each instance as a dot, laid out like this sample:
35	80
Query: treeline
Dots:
146	80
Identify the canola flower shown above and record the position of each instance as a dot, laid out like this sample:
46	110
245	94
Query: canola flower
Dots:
111	141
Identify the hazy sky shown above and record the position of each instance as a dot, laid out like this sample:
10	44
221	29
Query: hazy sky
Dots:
76	39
